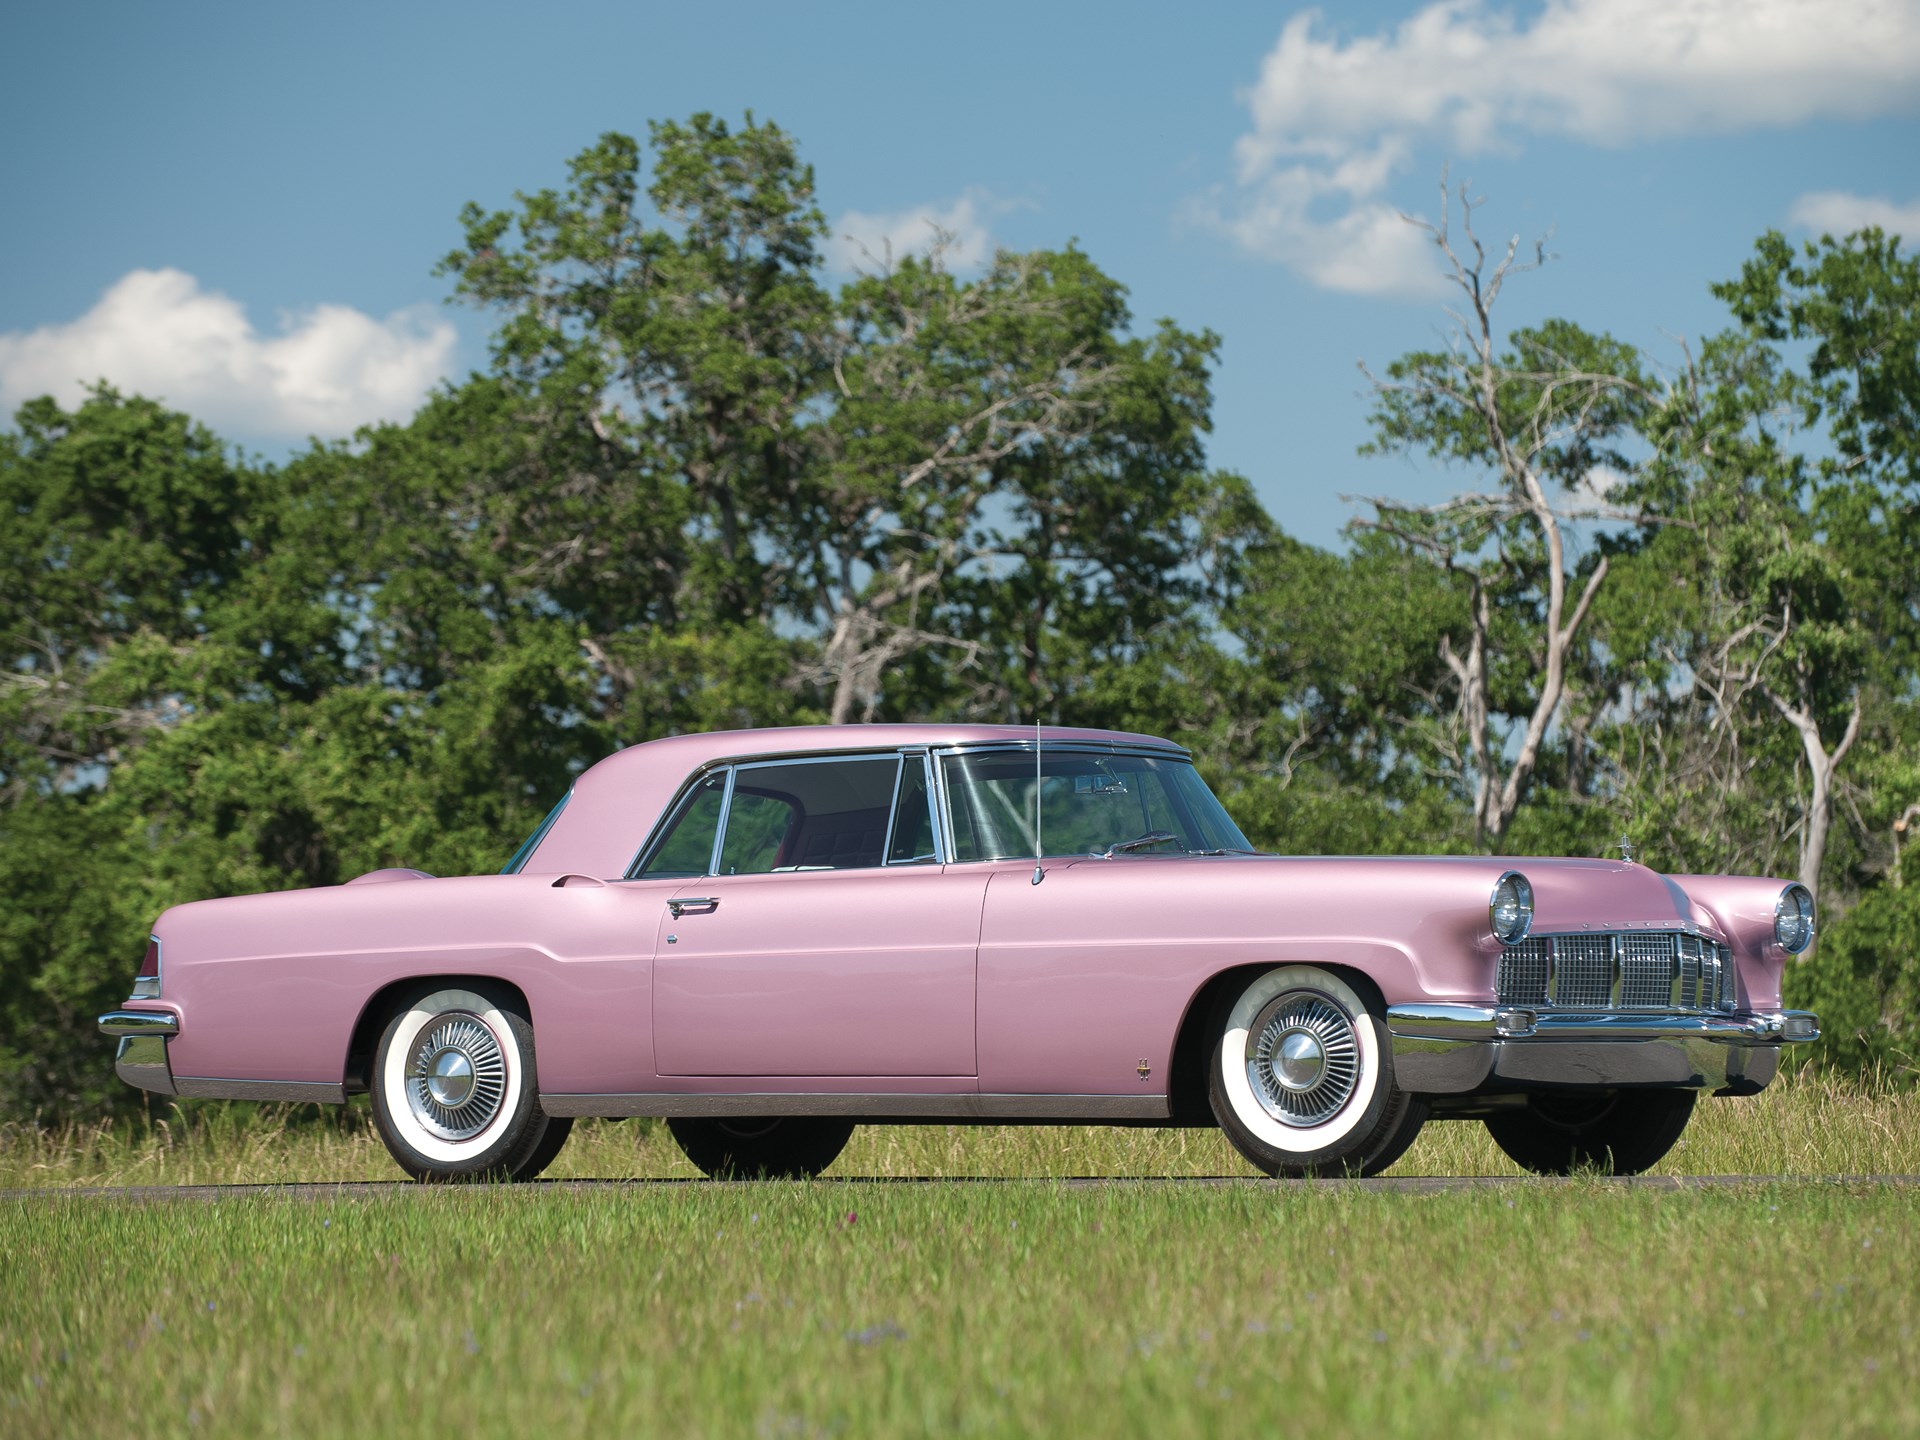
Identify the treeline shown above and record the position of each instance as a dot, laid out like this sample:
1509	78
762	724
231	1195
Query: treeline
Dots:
699	487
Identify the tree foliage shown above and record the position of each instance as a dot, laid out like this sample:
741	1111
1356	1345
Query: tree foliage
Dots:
700	485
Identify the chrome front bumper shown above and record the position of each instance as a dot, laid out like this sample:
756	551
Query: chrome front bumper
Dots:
141	1060
1462	1049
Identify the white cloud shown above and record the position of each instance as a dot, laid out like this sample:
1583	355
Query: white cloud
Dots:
1334	120
157	333
865	241
1835	212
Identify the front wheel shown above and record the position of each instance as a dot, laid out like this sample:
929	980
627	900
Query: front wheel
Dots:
1302	1078
455	1093
1619	1134
774	1148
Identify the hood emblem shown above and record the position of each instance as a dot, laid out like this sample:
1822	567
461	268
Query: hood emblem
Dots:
1626	849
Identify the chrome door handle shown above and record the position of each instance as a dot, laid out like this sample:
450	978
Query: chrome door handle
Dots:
693	902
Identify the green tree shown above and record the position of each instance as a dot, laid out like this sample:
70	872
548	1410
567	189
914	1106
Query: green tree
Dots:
1778	641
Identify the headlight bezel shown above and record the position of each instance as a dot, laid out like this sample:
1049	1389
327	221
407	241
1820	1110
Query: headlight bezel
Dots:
1521	890
1800	917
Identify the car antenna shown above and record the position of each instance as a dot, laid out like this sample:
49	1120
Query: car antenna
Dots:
1039	850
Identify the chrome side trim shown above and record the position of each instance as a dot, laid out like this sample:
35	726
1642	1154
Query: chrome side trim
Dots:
201	1087
139	1022
880	1106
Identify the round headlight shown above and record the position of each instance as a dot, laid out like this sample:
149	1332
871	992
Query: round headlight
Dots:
1512	908
1793	919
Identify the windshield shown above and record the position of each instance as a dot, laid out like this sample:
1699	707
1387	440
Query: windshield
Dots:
1090	802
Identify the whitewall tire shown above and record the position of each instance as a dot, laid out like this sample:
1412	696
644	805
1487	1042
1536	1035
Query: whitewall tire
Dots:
1301	1077
454	1088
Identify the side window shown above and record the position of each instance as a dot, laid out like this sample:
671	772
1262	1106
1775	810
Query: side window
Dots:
912	842
760	822
686	850
809	815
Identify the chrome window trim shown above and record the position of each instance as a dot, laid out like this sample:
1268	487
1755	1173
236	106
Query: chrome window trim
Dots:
518	860
943	852
943	809
942	834
855	756
720	827
656	831
933	814
893	810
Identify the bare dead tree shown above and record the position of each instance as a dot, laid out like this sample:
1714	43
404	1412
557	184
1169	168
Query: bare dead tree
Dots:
1523	415
1744	663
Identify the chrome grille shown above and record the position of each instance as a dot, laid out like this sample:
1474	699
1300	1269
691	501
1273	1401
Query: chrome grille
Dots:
1582	973
1689	966
1627	970
1523	972
1646	966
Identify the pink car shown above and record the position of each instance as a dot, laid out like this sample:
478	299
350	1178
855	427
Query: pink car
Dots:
770	936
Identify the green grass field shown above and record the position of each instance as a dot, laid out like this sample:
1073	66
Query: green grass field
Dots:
866	1306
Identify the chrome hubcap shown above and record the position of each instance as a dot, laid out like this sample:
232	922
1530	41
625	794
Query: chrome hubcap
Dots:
1298	1060
450	1078
1303	1058
457	1079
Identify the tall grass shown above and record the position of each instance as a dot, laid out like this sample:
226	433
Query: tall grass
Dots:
1804	1124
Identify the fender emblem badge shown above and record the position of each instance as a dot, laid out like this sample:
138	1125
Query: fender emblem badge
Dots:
1143	1069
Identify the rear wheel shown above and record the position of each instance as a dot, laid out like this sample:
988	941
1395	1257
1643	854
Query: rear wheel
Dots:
455	1093
1302	1078
772	1148
1622	1133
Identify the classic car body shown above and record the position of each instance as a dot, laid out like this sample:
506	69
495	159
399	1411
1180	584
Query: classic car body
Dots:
858	924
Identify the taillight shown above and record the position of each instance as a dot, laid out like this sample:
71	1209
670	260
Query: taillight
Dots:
146	985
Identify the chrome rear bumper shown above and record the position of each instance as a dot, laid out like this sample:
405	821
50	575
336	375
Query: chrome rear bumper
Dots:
141	1060
1461	1049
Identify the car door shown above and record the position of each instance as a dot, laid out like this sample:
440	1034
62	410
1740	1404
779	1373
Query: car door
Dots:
827	939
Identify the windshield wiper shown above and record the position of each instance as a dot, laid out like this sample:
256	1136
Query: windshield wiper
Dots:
1140	842
1228	850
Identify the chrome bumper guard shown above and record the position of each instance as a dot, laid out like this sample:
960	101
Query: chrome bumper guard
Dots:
1460	1049
141	1060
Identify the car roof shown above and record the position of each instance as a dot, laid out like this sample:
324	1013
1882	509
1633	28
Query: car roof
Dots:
614	804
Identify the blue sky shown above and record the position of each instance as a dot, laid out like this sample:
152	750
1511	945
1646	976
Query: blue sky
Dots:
240	207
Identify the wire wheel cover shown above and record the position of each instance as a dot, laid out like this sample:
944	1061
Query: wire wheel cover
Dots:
1303	1058
457	1078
